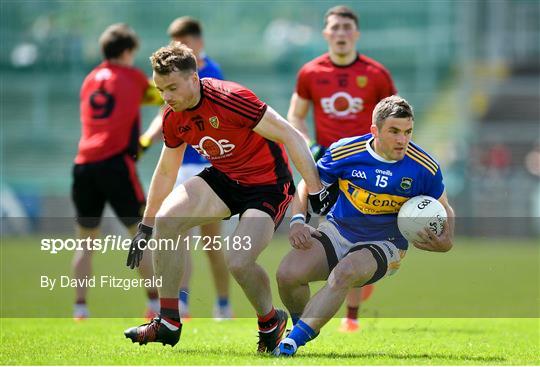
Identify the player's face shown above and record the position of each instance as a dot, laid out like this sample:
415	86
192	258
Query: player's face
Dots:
392	140
341	34
179	90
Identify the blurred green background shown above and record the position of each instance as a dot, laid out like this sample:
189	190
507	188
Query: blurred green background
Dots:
470	68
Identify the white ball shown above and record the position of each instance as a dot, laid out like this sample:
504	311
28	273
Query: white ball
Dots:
418	213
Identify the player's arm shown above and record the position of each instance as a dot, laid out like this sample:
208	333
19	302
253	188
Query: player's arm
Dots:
300	233
444	241
298	111
162	181
161	186
274	127
151	95
153	133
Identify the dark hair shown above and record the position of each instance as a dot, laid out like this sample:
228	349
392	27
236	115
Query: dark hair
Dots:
393	106
184	26
116	39
174	57
342	11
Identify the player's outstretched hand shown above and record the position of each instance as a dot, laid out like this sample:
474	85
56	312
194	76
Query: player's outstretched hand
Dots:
320	201
138	244
432	242
300	236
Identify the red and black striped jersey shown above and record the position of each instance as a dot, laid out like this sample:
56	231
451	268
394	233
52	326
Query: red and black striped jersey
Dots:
343	96
110	99
220	128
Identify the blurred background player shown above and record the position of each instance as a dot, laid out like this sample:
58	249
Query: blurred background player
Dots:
343	86
188	31
104	171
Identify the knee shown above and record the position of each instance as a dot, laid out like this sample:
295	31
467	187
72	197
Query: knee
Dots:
167	225
287	276
238	265
343	276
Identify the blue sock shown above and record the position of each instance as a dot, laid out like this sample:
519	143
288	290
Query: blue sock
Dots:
184	295
302	333
295	317
223	301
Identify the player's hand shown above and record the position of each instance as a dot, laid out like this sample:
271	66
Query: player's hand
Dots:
138	244
300	236
320	201
317	151
432	242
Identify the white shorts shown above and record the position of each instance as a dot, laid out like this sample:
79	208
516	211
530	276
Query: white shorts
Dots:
187	171
385	252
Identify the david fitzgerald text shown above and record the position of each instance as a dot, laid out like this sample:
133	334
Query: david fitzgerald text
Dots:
103	281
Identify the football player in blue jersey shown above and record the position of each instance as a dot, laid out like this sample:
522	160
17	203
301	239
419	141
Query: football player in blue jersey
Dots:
360	242
188	31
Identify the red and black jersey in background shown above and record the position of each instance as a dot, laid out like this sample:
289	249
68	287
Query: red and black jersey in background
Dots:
110	100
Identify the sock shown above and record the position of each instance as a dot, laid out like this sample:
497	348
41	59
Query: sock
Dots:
80	301
152	294
170	316
184	295
153	300
223	301
295	317
302	333
352	312
268	322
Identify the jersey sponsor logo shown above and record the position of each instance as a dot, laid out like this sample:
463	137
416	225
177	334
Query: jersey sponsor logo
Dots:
214	121
371	203
342	104
361	81
358	174
214	149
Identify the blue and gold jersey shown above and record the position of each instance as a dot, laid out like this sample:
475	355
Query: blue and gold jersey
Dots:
372	189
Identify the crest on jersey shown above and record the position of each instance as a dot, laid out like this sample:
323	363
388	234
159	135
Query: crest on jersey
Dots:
361	81
406	183
214	121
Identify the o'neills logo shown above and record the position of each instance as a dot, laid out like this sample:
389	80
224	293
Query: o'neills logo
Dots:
369	202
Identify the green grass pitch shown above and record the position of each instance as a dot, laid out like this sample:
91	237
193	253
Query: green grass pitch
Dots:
476	305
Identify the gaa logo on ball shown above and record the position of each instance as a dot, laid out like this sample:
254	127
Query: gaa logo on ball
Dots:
418	213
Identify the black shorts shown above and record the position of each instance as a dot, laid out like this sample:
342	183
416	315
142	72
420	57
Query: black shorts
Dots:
113	180
271	199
